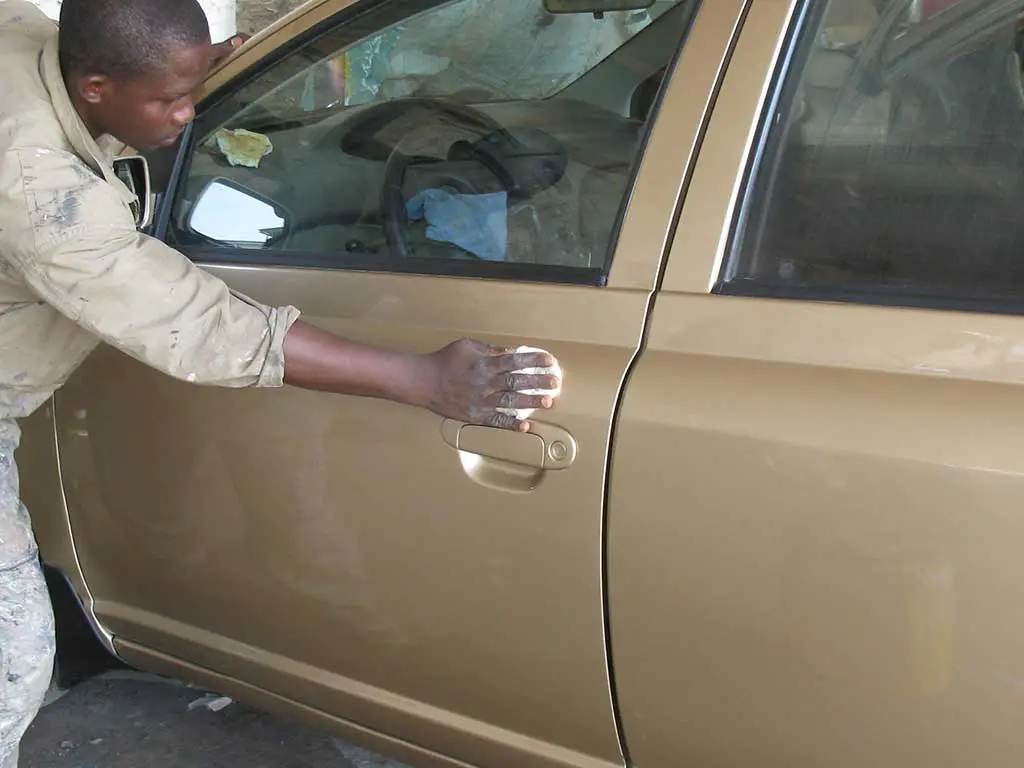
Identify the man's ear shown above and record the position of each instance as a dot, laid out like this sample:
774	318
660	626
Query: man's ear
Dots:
93	88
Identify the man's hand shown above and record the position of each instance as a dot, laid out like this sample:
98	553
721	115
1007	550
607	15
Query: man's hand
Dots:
473	380
226	48
468	380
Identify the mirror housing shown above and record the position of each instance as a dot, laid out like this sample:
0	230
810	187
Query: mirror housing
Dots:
230	214
597	7
133	171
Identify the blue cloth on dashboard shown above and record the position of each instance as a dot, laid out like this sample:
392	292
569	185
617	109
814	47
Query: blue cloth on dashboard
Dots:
475	223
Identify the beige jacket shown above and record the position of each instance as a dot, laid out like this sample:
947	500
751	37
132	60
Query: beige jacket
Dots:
74	271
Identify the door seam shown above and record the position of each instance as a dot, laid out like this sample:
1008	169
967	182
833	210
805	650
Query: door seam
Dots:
86	601
634	361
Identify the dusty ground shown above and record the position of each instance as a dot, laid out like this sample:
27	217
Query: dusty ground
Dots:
124	720
253	15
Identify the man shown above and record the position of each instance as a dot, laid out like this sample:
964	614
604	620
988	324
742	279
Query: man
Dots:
74	272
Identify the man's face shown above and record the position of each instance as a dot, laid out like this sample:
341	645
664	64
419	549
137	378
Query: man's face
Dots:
148	111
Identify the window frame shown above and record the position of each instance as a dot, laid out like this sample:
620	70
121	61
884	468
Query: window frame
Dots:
782	92
287	259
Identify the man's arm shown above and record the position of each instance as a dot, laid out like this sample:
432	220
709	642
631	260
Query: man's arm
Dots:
467	380
148	300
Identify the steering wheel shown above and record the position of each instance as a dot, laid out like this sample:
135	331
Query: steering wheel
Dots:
392	201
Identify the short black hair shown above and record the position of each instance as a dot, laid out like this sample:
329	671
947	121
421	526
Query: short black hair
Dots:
125	39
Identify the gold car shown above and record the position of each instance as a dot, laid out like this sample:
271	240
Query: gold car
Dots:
777	516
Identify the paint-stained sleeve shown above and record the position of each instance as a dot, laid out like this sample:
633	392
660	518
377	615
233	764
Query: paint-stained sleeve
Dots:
82	254
22	12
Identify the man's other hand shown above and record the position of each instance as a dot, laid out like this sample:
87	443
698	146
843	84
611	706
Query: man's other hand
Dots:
226	48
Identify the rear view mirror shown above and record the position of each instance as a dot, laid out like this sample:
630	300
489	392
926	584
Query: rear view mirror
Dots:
595	6
133	171
231	214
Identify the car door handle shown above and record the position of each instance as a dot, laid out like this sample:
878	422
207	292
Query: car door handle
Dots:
544	447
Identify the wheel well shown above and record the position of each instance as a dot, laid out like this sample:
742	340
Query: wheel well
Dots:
80	654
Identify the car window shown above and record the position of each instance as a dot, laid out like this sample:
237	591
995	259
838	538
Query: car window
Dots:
428	136
892	168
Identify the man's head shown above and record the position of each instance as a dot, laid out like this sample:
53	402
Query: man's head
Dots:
131	66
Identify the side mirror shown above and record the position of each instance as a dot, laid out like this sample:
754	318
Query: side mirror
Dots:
228	213
597	7
133	171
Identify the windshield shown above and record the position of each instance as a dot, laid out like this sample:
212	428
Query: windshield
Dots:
466	50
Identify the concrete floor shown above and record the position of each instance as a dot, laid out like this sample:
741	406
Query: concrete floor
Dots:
125	720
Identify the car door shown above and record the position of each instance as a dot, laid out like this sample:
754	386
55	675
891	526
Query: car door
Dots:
821	446
414	578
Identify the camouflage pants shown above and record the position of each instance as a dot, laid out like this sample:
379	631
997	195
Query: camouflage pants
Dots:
26	618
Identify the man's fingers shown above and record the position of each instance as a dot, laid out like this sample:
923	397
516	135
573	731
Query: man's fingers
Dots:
484	348
516	401
507	421
520	360
521	382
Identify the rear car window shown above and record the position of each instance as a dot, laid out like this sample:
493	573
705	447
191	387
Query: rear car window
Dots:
891	170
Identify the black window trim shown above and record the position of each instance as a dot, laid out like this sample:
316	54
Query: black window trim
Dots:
805	22
280	259
807	16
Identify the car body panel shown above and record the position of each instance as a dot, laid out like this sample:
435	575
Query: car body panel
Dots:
337	553
410	754
861	575
829	492
223	506
42	492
